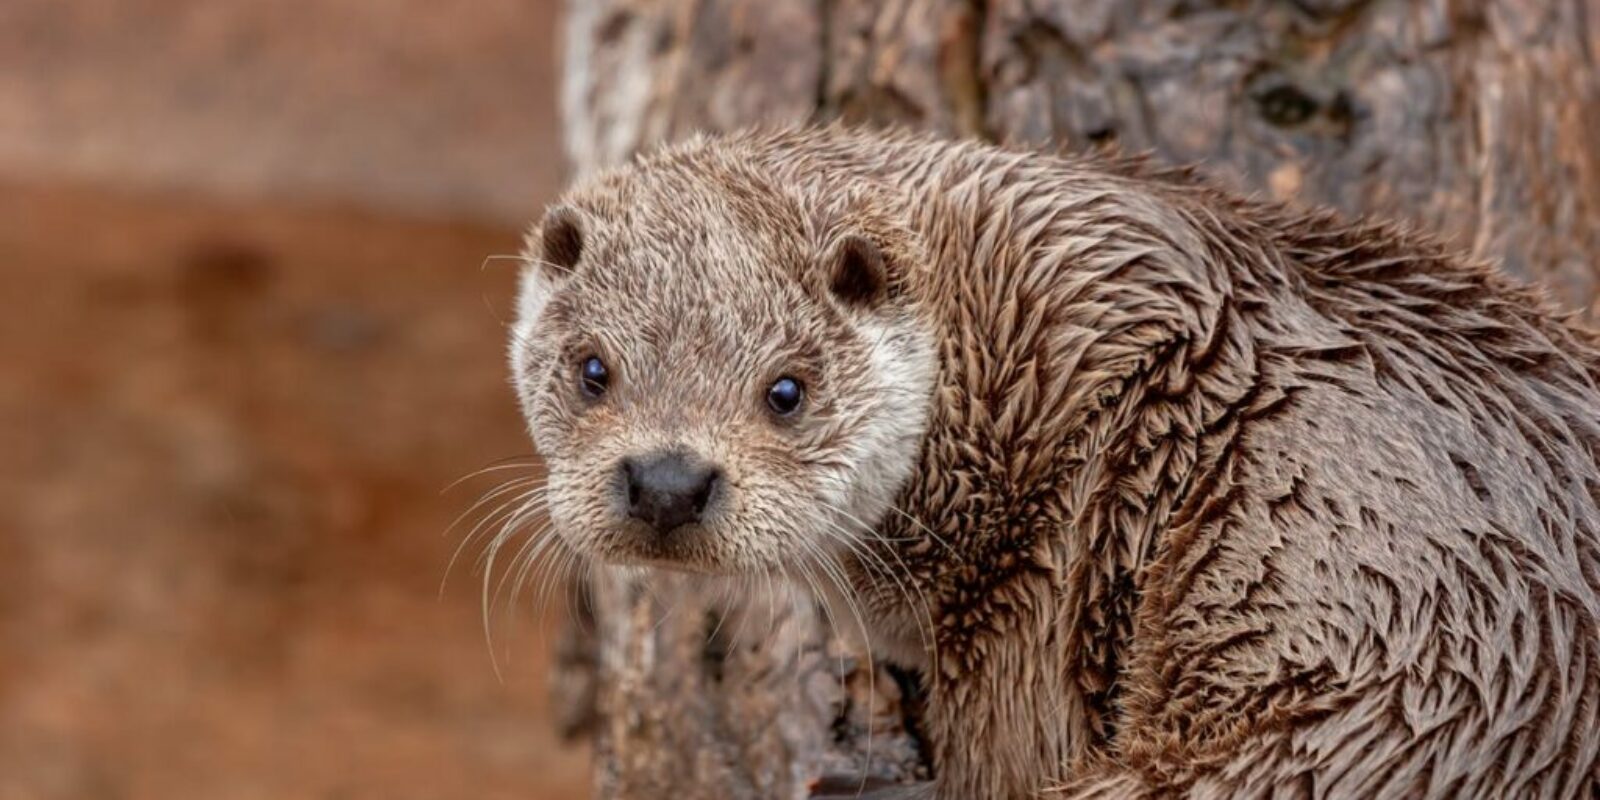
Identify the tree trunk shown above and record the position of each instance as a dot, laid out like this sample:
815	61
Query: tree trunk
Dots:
1476	118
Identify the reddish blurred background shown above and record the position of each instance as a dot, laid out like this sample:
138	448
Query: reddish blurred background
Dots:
245	342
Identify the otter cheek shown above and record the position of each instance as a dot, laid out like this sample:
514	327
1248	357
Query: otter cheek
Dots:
577	507
558	504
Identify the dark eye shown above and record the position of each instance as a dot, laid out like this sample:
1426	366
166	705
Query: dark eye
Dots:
784	396
593	376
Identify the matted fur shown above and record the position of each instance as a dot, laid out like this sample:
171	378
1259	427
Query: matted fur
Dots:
1229	499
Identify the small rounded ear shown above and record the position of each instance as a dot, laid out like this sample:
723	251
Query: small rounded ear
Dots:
858	273
560	240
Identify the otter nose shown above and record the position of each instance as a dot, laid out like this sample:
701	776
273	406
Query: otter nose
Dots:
669	490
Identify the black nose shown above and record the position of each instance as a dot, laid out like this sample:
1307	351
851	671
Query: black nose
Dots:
670	489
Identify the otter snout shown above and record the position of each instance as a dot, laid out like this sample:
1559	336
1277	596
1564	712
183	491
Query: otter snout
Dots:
669	490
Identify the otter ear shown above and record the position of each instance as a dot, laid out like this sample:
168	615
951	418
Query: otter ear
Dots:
858	273
560	240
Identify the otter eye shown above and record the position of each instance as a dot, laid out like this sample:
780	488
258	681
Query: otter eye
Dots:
784	396
593	376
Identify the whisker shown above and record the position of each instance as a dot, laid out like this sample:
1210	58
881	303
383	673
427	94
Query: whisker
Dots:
508	528
922	526
832	571
500	465
531	503
501	488
528	561
570	584
529	260
488	633
722	603
583	586
930	641
557	562
811	554
670	611
862	551
505	509
501	321
514	575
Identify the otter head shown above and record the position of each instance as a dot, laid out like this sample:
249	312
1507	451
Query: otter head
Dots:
722	374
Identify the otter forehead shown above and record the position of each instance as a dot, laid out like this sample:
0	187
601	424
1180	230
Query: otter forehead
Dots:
683	198
695	298
696	261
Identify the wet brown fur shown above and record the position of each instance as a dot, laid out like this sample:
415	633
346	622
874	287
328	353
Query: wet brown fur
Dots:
1230	499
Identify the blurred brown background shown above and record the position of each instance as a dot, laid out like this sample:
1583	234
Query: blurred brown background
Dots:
245	342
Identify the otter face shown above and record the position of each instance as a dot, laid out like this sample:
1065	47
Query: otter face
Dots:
718	378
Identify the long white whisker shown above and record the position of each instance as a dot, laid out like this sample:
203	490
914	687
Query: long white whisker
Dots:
493	522
508	528
527	504
920	525
488	633
512	526
510	462
524	563
530	260
572	584
676	603
930	642
834	573
871	532
548	556
868	556
502	511
515	574
498	490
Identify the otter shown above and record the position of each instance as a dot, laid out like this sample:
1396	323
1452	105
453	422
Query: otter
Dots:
1164	491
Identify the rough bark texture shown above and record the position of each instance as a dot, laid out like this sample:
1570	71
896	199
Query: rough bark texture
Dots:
1478	118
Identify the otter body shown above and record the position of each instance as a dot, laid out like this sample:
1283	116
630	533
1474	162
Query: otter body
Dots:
1163	490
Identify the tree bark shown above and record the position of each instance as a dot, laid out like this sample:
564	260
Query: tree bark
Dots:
1475	118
